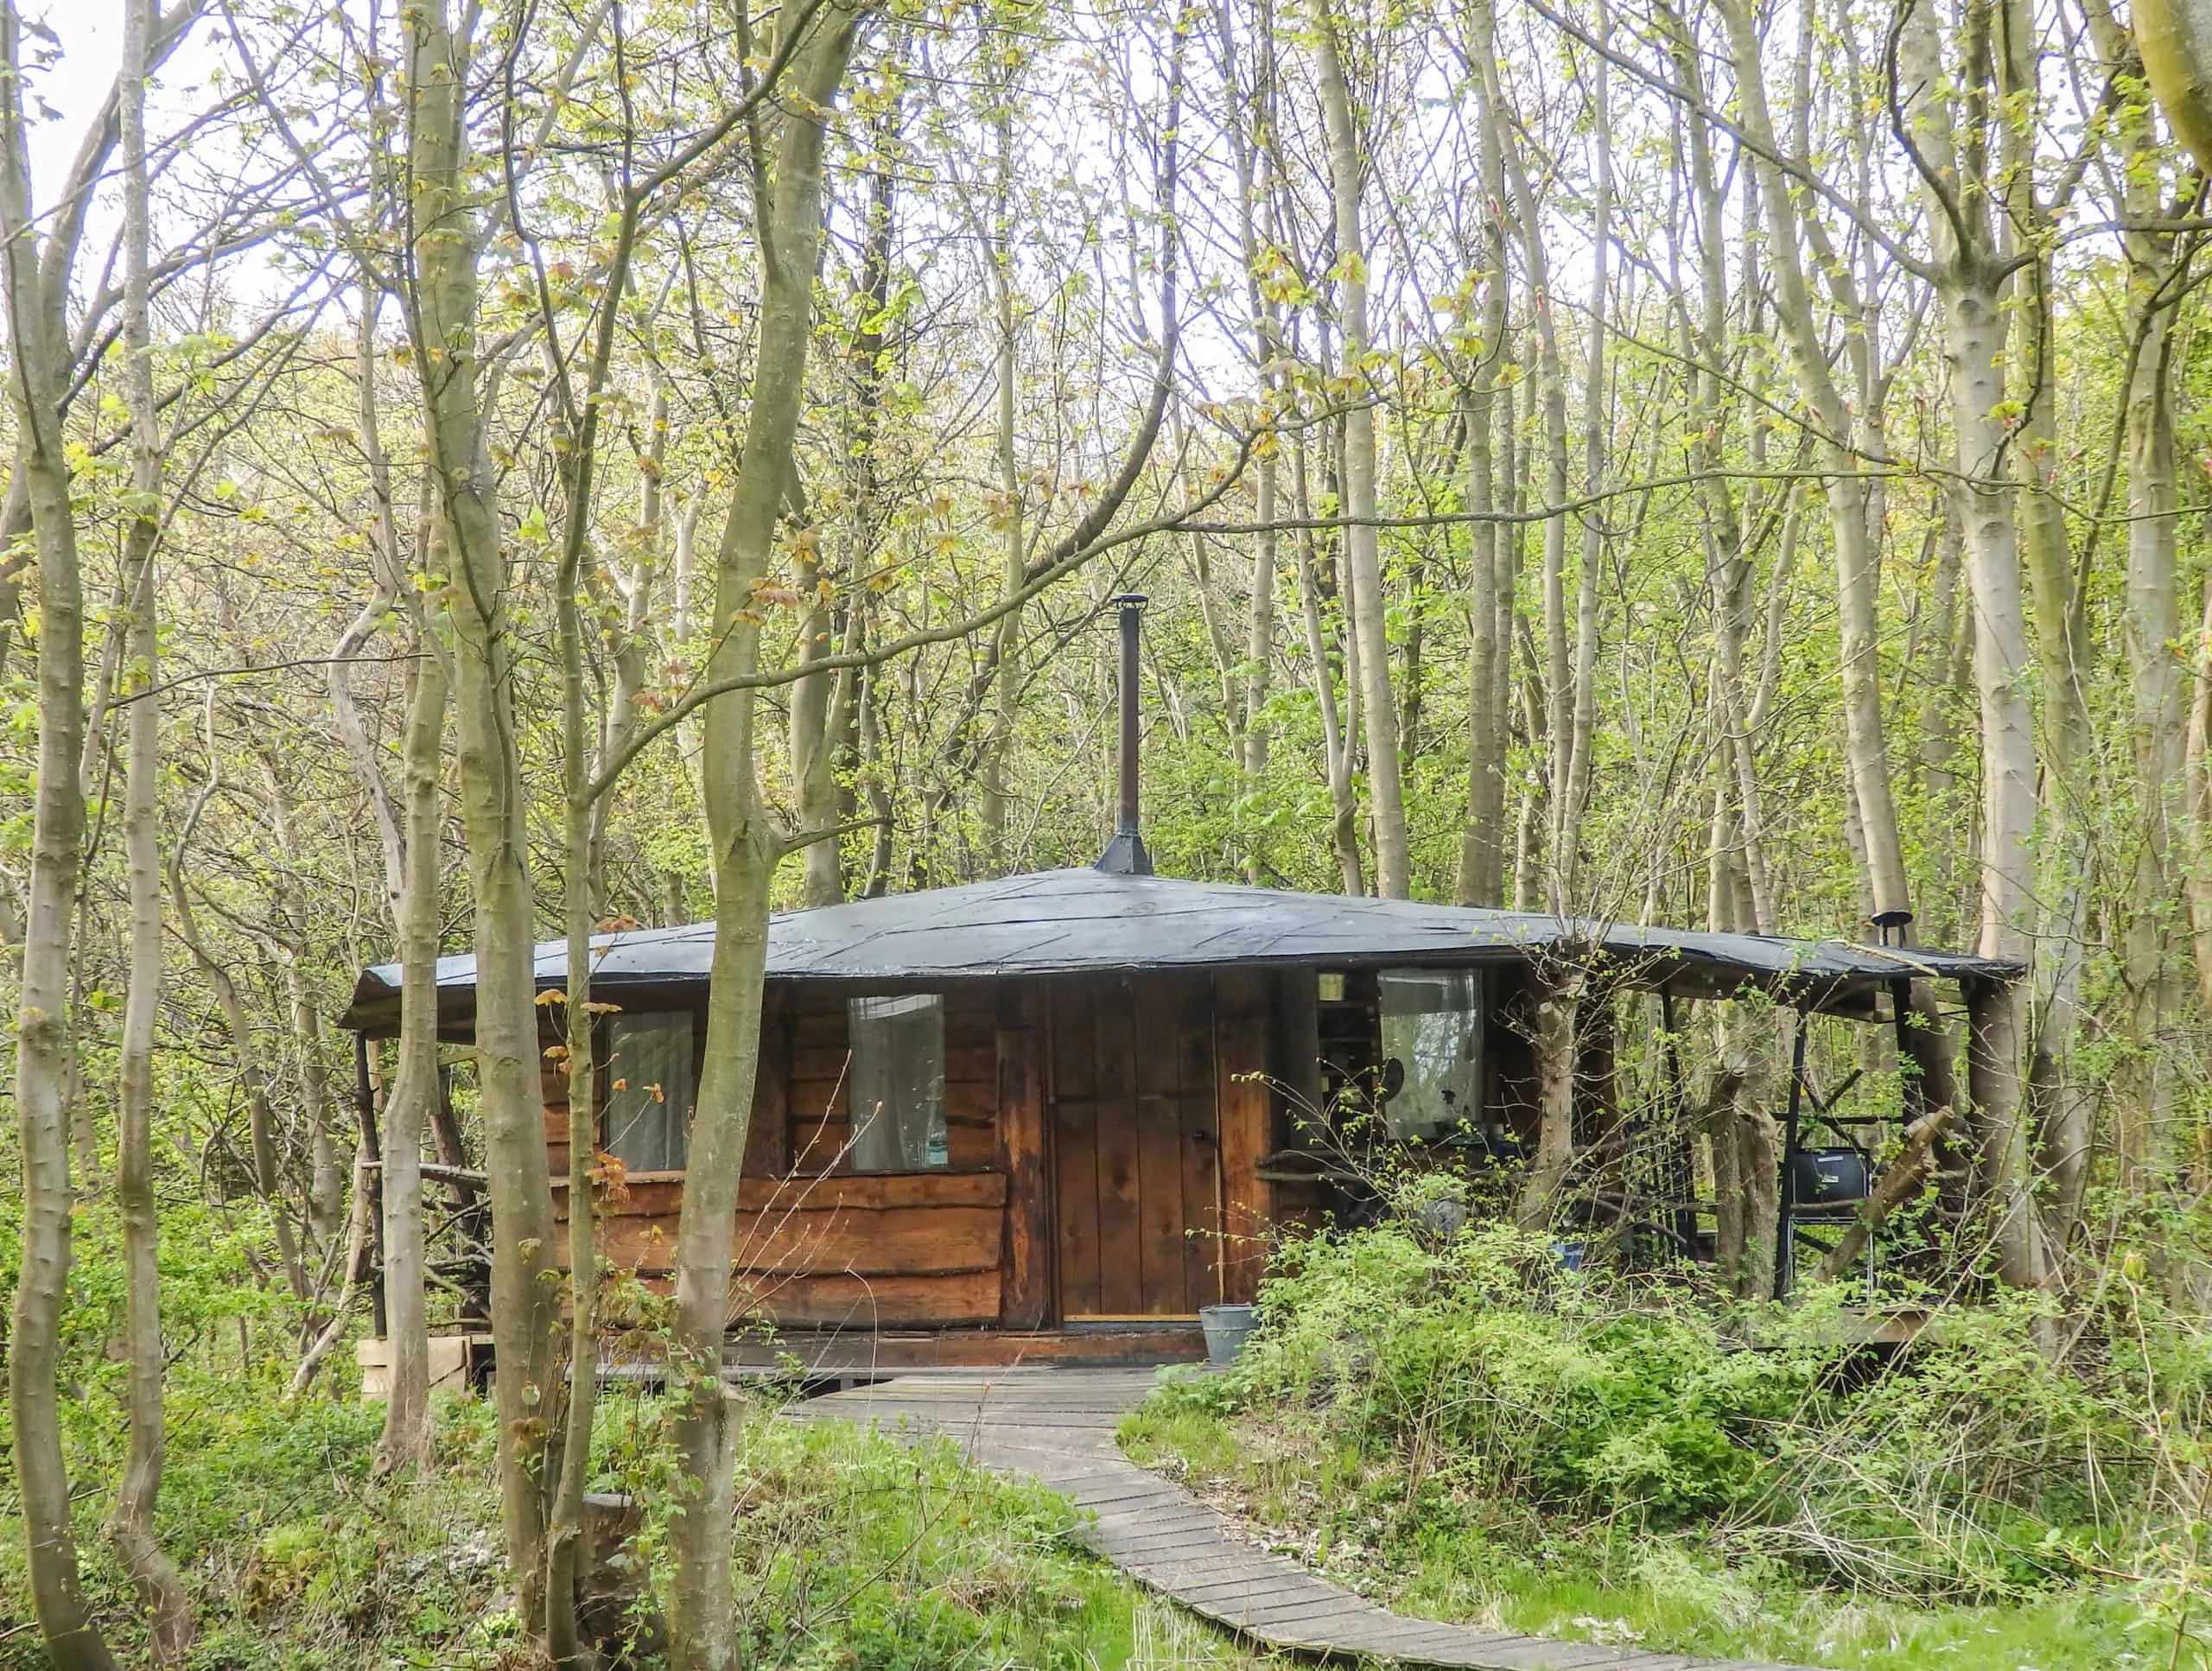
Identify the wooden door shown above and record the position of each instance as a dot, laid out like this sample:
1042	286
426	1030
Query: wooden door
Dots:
1136	1147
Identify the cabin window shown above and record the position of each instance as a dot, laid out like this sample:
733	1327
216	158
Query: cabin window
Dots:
898	1089
650	1089
1433	1030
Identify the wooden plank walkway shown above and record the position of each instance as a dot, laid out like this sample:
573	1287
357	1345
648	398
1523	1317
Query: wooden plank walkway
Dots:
1056	1424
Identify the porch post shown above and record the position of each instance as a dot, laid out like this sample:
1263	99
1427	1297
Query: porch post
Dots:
1682	1153
1785	1230
365	1109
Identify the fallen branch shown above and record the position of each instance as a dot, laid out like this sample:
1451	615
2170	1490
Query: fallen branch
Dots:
1900	1179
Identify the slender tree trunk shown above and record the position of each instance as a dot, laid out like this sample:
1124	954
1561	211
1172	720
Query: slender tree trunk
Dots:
1969	293
813	746
627	634
1362	561
45	1042
1254	154
405	1447
1729	573
130	1526
1566	833
2143	1093
745	847
2057	1104
1006	636
439	298
1557	709
1938	742
1489	646
564	1519
2196	788
1855	539
1336	746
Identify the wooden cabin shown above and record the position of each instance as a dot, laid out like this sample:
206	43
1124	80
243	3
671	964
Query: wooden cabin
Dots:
1054	1114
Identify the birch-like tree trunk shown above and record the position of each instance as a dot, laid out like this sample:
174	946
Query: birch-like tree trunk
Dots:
1490	646
2150	632
992	779
1971	271
45	1043
1335	746
1362	546
744	847
2196	793
2057	1104
1249	123
1566	829
1553	720
438	298
854	698
414	1089
1854	540
170	1624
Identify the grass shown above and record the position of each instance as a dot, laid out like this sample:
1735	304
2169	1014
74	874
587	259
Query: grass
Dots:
1428	1553
854	1552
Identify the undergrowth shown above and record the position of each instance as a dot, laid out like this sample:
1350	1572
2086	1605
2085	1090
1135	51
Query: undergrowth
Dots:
854	1551
1474	1431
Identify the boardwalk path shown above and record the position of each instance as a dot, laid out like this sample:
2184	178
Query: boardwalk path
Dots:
1057	1425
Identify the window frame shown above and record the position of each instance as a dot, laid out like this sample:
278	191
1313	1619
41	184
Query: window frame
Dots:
936	1135
1474	1045
604	1072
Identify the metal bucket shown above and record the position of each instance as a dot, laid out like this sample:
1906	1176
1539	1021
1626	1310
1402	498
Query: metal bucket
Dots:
1227	1328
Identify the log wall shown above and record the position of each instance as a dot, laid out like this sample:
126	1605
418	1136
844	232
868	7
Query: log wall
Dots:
909	1249
820	1246
977	1244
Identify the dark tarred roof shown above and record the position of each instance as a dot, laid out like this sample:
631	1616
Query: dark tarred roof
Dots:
1060	922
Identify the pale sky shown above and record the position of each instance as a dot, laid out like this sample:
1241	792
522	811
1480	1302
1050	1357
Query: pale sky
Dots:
92	40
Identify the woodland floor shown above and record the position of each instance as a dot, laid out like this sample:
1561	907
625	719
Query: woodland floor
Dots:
856	1553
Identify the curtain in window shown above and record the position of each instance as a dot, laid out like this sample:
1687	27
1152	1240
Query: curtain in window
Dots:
1433	1024
650	1090
898	1082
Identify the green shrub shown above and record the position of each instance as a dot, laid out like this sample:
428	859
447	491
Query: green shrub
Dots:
2004	1451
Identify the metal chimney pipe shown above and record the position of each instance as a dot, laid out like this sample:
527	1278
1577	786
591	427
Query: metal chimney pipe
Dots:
1125	855
1132	608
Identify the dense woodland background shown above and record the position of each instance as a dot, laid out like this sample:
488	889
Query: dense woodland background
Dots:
484	473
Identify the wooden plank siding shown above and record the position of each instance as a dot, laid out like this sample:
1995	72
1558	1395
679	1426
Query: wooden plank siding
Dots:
1135	1136
1074	1091
1245	1061
1102	1135
1026	1290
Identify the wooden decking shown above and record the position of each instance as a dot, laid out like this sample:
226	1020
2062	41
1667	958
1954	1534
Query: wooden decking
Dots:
1056	1425
860	1353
